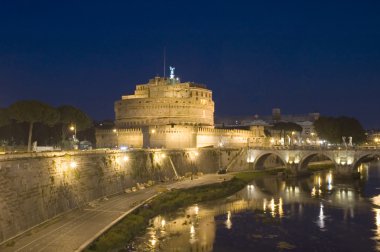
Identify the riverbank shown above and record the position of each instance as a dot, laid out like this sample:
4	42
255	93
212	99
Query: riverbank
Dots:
135	223
73	230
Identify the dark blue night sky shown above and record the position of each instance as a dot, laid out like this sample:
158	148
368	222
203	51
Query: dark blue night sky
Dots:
301	56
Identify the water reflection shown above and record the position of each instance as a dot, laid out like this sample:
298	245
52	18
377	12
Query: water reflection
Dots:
228	221
196	209
153	239
376	210
275	208
321	218
329	181
192	234
377	230
363	170
315	210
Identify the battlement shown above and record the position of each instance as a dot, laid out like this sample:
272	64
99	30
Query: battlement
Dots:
224	131
119	131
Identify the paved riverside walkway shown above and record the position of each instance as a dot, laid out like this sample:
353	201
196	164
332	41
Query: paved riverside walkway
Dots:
69	231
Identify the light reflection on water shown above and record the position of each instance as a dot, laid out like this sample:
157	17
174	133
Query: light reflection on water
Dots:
228	221
319	213
321	218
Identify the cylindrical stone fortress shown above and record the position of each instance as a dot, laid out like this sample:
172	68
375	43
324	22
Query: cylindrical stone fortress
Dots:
164	101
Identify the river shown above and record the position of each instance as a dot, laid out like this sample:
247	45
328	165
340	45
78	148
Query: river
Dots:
317	213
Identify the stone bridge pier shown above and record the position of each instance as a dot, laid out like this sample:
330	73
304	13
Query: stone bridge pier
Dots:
296	160
344	170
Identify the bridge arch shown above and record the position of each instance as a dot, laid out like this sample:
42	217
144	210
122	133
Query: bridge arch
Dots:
363	158
308	158
259	163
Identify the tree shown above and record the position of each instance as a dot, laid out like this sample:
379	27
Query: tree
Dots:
327	128
333	129
285	127
31	112
70	115
4	117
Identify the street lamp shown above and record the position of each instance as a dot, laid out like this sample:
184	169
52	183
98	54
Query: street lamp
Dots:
221	170
272	141
75	143
74	129
73	165
116	132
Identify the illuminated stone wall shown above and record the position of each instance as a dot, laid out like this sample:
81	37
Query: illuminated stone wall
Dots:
230	137
169	137
179	136
119	137
161	102
35	187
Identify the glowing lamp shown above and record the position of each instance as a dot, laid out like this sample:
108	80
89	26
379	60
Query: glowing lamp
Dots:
73	164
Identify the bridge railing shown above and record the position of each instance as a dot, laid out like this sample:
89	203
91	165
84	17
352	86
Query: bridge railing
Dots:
368	147
298	147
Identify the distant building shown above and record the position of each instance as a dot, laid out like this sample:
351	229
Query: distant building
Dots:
278	117
373	137
307	136
268	119
167	113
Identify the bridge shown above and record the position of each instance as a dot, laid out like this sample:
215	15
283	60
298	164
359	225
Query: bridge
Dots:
296	159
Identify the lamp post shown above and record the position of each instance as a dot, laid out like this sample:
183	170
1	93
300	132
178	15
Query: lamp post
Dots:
116	132
74	129
221	170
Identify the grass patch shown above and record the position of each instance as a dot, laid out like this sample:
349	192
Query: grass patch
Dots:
10	243
136	223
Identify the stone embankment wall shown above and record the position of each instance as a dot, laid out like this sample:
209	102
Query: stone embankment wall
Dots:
39	186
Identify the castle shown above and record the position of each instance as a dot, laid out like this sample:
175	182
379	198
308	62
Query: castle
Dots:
167	113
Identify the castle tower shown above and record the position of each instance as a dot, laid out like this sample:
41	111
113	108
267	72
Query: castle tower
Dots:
164	101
